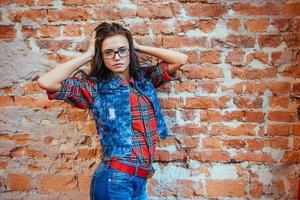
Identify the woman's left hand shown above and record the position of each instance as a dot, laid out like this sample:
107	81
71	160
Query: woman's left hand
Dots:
136	45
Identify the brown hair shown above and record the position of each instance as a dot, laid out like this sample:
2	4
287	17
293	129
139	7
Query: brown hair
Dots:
104	30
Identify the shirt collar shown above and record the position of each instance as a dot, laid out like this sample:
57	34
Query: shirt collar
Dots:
122	81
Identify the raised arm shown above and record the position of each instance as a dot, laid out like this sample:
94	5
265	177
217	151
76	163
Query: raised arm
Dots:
51	80
173	58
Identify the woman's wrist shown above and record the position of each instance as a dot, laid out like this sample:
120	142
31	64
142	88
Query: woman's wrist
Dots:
88	55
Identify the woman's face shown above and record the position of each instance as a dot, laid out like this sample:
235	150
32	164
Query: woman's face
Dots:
115	52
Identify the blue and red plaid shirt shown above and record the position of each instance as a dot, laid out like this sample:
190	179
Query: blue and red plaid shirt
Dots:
82	92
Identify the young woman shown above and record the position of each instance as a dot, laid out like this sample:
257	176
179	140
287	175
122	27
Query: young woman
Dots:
121	93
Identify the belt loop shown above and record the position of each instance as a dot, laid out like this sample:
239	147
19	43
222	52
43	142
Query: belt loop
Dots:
136	168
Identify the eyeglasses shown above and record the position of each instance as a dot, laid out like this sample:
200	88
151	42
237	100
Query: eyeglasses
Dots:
110	54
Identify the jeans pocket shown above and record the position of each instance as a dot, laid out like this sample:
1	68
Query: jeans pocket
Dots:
119	177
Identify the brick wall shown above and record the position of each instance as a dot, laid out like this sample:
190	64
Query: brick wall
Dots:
232	111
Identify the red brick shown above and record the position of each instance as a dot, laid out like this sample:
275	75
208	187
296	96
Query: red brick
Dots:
234	24
257	25
211	57
254	117
72	30
292	41
209	87
139	28
53	45
76	14
291	157
34	154
6	101
257	188
7	33
186	86
279	87
296	144
84	182
255	87
170	102
19	182
275	101
278	129
207	26
295	129
235	57
207	10
240	41
215	116
32	88
292	71
257	55
269	41
189	129
235	88
210	155
296	88
3	165
243	129
31	15
212	142
282	24
255	144
25	2
254	157
279	142
198	72
45	2
58	183
185	188
206	102
72	2
248	73
282	116
228	188
165	156
235	143
29	32
5	2
248	103
291	9
160	11
21	139
183	26
160	28
253	10
183	41
87	153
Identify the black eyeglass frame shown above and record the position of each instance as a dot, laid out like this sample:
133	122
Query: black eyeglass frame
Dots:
116	52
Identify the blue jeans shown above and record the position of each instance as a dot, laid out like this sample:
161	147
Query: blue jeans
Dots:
110	184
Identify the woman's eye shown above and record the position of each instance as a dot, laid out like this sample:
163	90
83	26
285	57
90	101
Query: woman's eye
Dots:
122	50
108	53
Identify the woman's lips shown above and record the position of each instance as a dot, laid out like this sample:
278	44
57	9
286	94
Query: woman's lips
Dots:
118	65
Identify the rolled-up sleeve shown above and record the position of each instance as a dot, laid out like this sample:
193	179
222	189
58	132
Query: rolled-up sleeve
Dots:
159	74
77	92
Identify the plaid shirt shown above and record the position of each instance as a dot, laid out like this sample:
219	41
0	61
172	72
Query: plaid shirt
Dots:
82	92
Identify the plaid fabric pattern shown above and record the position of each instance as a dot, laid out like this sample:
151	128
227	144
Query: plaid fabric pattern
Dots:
144	132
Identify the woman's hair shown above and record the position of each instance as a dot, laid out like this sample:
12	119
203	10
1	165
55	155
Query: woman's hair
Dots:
98	68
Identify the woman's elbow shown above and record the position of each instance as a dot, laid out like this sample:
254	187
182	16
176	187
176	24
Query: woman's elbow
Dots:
184	59
41	83
45	85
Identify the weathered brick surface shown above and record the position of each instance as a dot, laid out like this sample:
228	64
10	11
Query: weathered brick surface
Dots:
232	109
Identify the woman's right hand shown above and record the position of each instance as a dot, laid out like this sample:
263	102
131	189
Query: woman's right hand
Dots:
91	48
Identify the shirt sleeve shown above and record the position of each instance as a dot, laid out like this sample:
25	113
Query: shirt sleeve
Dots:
159	75
77	92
